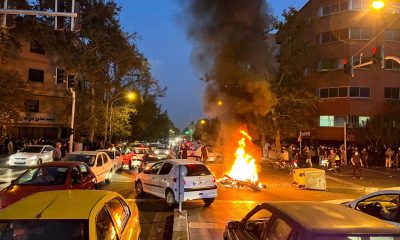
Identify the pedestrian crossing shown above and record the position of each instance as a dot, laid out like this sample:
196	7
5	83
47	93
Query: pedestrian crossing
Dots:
9	174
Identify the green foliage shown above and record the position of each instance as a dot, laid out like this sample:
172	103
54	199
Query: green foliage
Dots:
11	85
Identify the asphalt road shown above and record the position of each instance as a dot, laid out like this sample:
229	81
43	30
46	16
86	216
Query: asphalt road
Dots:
208	222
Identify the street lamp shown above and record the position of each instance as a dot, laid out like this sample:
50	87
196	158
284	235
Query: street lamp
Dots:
202	121
378	4
219	103
130	96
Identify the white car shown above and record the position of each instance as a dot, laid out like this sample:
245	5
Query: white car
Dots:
372	203
196	154
99	162
159	180
32	155
116	157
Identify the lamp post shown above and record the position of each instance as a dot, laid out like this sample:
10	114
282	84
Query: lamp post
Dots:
130	96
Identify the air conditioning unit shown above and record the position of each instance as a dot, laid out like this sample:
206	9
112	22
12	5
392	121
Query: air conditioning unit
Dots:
310	178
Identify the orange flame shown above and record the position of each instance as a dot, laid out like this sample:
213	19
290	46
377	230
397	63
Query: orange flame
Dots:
244	167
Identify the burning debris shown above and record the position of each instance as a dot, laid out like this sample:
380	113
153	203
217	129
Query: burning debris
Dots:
244	171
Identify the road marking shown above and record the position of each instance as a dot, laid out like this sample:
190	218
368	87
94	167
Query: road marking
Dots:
157	227
204	225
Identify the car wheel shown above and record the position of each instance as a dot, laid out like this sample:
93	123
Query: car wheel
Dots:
109	176
130	165
139	188
170	199
39	161
208	201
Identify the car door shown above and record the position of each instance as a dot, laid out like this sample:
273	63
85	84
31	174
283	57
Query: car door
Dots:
98	168
149	180
107	163
87	178
162	179
47	154
76	178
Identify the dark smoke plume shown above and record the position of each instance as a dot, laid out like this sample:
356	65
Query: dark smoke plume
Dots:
231	50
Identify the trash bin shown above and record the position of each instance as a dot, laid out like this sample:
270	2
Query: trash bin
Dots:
310	178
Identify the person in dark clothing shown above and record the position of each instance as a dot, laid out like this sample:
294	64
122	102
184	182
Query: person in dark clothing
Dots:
204	154
184	151
364	157
357	164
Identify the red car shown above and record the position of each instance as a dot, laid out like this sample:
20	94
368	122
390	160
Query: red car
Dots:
46	177
134	157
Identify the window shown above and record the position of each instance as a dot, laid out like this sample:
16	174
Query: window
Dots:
387	200
154	169
324	92
392	65
343	92
279	230
358	121
194	170
360	92
333	36
392	35
119	211
365	92
392	93
306	72
105	158
166	168
104	226
32	105
99	160
75	176
60	75
356	92
36	47
360	33
333	92
334	8
84	170
330	64
331	121
36	75
359	5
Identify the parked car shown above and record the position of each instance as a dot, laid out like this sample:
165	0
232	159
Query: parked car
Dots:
99	163
32	155
308	220
75	214
373	203
160	180
47	177
116	157
133	158
196	155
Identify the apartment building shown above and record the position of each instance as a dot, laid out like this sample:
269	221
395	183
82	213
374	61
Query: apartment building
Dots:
46	114
337	30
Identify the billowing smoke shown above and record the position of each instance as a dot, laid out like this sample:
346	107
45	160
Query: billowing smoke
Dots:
231	50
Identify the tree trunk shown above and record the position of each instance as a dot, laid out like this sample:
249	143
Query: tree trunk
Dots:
277	133
92	114
263	143
106	122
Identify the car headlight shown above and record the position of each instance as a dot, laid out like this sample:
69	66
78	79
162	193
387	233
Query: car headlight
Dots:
167	152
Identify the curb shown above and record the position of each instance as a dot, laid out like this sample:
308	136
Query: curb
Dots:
180	229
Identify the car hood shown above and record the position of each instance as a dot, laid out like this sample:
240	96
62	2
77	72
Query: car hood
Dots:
24	155
13	193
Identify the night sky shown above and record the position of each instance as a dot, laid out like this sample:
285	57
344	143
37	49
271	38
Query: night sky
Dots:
164	43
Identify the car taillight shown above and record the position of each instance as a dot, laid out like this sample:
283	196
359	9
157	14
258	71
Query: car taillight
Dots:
213	180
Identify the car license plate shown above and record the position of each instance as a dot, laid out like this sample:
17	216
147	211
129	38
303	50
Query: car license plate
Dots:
20	162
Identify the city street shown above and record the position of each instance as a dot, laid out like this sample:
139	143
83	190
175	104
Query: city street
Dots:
208	222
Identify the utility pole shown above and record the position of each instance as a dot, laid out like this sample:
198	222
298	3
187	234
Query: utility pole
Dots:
71	136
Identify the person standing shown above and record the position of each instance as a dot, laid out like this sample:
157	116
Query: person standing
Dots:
308	157
57	152
397	158
364	157
204	154
10	147
357	164
388	156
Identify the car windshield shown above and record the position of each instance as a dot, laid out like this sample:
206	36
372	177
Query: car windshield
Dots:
43	176
197	170
43	229
88	159
32	149
358	237
140	151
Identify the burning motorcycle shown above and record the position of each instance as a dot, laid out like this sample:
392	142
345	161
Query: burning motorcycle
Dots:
289	165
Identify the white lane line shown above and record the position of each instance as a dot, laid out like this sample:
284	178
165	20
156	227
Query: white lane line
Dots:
151	200
157	227
205	225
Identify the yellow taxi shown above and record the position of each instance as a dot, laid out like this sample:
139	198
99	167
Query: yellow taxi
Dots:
71	215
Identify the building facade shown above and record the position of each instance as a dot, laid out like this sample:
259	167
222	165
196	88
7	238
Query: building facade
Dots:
46	114
337	30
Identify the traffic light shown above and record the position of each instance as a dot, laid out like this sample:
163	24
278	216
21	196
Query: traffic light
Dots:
59	76
71	81
378	56
348	66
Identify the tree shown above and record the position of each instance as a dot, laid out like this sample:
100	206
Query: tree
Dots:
296	106
11	107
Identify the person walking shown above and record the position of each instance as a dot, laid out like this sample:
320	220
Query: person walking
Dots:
388	156
357	164
10	147
364	157
57	152
308	156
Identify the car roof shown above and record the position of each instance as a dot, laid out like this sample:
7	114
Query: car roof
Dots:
106	150
184	161
328	218
84	153
38	145
60	204
61	164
